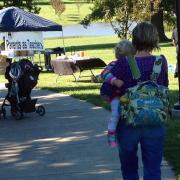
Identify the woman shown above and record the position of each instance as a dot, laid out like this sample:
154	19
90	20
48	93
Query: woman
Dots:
151	139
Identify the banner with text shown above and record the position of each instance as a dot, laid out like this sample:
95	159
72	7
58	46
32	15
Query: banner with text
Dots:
24	41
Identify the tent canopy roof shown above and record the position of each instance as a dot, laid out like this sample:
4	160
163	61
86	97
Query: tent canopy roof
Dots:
13	19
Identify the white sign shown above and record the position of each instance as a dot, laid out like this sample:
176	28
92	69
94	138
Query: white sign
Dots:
24	41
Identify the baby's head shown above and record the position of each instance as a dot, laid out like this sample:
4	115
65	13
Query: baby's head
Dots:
124	48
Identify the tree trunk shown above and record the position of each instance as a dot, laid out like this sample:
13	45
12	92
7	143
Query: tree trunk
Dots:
157	20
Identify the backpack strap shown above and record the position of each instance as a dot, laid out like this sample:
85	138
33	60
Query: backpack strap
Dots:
156	68
134	67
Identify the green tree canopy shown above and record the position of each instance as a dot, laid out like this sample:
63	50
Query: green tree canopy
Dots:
24	4
168	7
121	13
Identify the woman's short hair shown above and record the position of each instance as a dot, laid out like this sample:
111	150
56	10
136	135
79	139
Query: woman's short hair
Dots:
145	37
125	48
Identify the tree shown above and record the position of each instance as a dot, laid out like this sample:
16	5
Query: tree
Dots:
24	4
165	13
158	20
121	13
169	11
58	6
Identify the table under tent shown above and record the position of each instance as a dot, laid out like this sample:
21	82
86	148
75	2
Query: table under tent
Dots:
21	34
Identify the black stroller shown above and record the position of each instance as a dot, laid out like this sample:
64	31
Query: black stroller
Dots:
22	77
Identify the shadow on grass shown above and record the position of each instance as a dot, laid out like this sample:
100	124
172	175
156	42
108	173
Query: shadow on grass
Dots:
73	18
42	3
168	44
172	142
103	46
72	88
90	47
94	99
81	80
173	96
75	2
48	3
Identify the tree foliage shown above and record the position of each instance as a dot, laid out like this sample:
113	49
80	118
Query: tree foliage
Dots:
121	13
58	6
168	7
24	4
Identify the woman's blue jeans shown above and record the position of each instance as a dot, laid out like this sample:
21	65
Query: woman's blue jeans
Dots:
151	140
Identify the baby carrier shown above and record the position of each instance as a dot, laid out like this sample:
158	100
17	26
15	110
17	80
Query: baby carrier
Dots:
22	77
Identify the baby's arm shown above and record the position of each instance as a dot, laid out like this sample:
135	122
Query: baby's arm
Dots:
117	82
108	77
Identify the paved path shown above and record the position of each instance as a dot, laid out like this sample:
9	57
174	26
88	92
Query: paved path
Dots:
68	143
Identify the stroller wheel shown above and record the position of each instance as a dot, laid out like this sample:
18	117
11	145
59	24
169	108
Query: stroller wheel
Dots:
17	115
41	110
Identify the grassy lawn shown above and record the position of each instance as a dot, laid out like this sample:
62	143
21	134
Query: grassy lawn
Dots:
73	14
102	47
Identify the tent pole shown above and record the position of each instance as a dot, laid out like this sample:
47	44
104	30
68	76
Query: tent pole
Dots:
63	42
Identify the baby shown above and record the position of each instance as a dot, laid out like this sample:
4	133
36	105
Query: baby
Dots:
111	89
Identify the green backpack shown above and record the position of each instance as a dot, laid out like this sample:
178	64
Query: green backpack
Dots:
147	103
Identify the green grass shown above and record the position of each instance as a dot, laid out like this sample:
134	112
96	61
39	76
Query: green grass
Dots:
172	146
73	14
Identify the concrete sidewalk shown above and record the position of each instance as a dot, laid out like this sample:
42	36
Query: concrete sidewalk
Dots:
68	143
